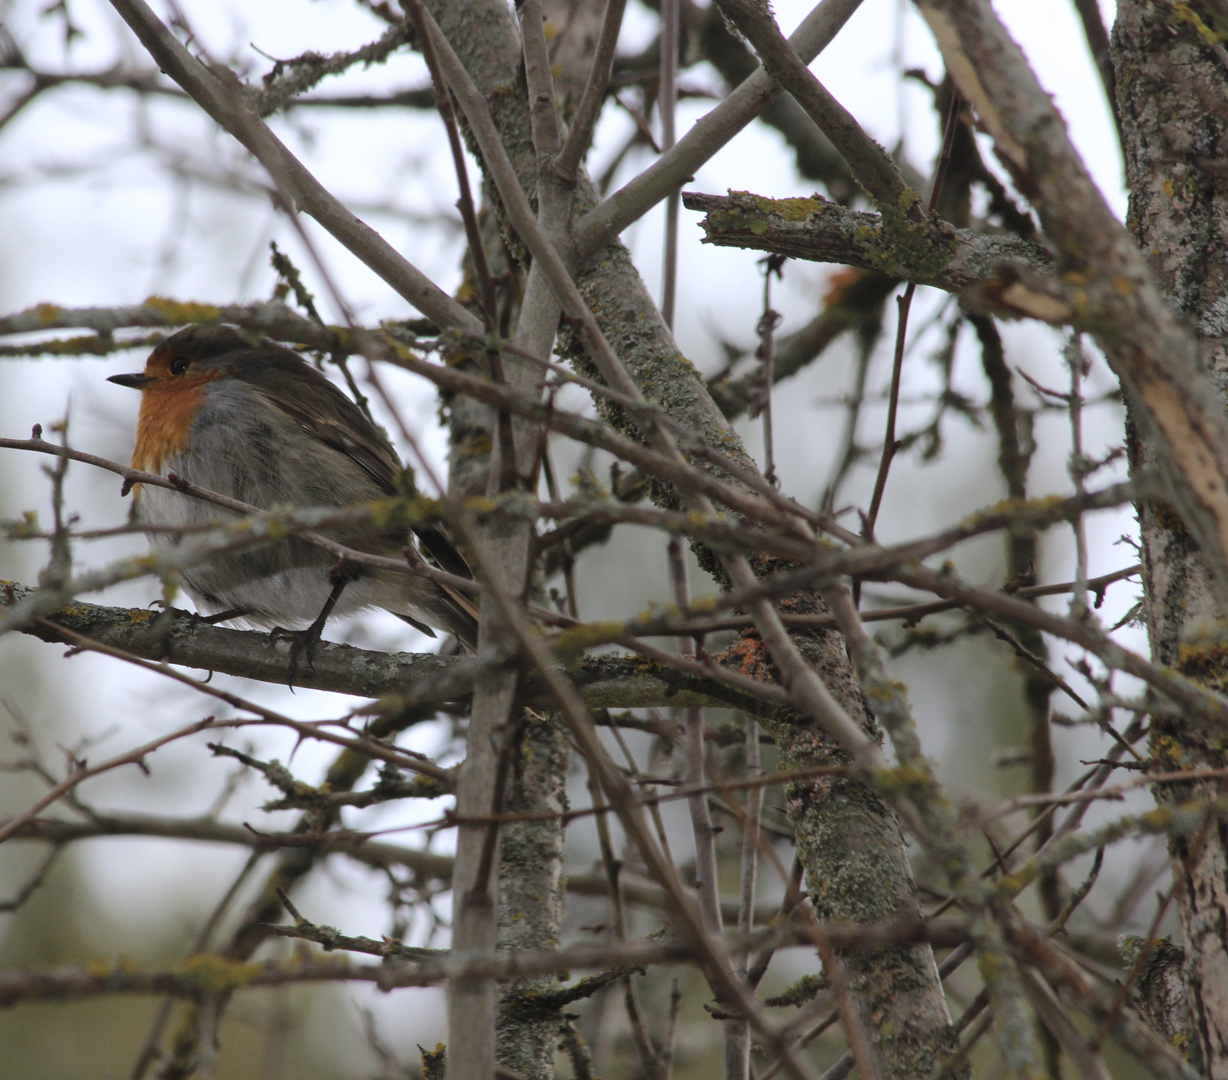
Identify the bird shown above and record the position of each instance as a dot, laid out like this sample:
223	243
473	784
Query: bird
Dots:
247	417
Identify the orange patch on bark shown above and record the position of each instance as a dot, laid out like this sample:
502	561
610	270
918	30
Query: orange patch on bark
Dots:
748	656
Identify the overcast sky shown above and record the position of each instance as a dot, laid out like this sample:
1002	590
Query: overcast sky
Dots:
105	200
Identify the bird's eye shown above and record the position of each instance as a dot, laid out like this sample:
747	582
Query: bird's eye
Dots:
179	365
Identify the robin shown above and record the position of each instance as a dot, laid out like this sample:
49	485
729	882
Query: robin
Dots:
258	423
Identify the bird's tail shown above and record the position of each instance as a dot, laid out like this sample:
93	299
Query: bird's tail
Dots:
454	609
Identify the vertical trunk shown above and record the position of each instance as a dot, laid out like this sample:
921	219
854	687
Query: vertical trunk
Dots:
857	867
856	862
1170	98
529	901
530	893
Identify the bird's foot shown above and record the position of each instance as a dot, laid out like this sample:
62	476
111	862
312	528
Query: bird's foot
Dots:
302	645
304	641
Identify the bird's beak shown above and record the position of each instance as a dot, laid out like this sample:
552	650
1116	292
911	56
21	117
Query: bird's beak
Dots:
135	381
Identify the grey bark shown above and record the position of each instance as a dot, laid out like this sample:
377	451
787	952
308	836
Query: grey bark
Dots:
852	844
1145	343
403	681
1159	993
1170	97
955	260
530	905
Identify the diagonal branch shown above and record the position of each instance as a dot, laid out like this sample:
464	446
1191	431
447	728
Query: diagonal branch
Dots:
707	136
219	93
871	165
581	134
1155	357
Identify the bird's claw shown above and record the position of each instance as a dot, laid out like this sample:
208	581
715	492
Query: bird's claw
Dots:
302	644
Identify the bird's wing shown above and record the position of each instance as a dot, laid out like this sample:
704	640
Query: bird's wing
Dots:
326	413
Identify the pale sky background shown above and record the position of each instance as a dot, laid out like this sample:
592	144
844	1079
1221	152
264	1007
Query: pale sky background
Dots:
87	220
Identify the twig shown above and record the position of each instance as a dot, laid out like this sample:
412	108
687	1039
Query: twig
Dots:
209	90
671	1029
1098	45
737	1032
583	123
1038	662
667	106
871	165
82	772
1201	701
707	136
854	1028
766	377
890	445
613	871
1078	363
289	78
1079	895
707	881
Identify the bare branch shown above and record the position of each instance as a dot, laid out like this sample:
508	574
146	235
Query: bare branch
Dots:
871	165
581	134
955	260
708	135
1156	358
219	94
215	974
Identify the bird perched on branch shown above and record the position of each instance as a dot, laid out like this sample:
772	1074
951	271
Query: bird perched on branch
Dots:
256	422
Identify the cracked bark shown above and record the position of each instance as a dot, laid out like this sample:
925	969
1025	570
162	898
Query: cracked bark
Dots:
955	260
851	843
1146	344
1173	120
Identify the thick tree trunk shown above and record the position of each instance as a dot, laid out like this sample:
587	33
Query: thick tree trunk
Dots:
856	863
1170	90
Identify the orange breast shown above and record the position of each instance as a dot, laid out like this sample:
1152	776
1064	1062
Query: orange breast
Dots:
168	407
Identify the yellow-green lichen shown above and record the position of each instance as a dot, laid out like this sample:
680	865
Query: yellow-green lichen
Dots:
434	1065
1183	13
903	778
218	974
905	246
576	639
177	312
1205	662
793	209
1158	820
28	526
